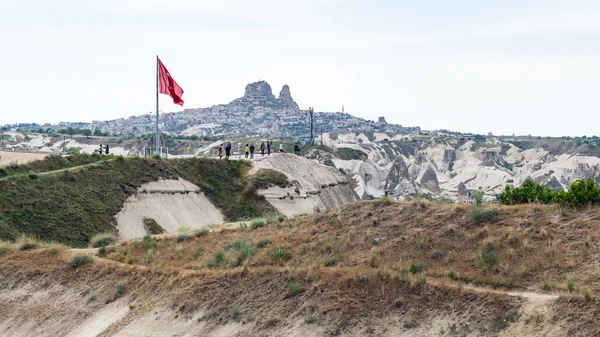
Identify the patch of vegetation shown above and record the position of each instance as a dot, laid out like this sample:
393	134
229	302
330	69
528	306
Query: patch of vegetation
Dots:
350	154
52	163
480	215
581	193
417	266
257	223
263	243
265	178
81	260
181	237
71	206
152	227
5	248
102	240
200	232
294	288
280	255
381	202
487	255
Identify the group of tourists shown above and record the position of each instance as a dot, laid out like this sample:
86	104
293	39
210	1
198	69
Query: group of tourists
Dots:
104	149
249	149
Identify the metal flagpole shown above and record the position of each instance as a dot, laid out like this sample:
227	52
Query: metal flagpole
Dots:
157	134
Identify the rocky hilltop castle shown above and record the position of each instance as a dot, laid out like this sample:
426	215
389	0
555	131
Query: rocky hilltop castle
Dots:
257	113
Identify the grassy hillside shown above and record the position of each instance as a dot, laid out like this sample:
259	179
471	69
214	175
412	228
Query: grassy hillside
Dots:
370	268
71	205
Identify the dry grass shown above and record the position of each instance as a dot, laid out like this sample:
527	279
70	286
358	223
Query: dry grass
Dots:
523	246
384	255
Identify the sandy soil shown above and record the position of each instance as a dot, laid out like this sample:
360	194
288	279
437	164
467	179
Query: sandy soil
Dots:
20	158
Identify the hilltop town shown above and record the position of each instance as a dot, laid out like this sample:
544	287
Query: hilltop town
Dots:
257	113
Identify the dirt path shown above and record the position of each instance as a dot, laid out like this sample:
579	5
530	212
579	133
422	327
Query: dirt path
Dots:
536	309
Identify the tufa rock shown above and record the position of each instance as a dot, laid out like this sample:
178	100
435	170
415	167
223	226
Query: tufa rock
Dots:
285	98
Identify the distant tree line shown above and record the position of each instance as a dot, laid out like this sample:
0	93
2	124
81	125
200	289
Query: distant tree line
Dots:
580	193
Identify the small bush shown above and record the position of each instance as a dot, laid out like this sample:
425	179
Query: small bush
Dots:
330	262
265	178
199	251
279	255
32	176
381	202
120	290
103	239
257	223
177	251
181	237
280	217
478	197
201	232
417	266
480	215
570	284
102	251
5	248
263	243
587	296
487	255
294	288
81	260
152	226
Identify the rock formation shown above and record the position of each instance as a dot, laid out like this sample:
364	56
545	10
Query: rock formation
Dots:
285	98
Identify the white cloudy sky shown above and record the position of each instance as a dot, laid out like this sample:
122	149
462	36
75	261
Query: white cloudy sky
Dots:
505	66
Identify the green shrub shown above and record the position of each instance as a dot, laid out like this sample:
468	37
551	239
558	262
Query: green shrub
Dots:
219	257
350	154
581	193
120	289
279	255
294	288
5	248
103	239
480	215
265	178
383	201
330	262
28	246
263	243
32	176
201	232
487	255
81	260
417	266
152	226
478	197
102	251
570	284
257	223
181	237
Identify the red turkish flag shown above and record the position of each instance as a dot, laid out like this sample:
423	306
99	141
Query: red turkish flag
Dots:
168	85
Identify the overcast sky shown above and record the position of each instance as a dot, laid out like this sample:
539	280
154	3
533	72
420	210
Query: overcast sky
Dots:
501	66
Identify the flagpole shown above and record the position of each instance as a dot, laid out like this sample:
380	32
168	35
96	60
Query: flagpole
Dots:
157	134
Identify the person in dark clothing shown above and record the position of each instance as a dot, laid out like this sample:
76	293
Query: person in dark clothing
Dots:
252	151
220	152
268	148
296	149
107	150
262	148
228	150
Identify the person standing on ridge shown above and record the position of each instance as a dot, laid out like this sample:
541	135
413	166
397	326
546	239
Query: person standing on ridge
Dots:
252	151
107	149
228	150
268	148
220	152
100	149
281	147
296	149
247	151
262	149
